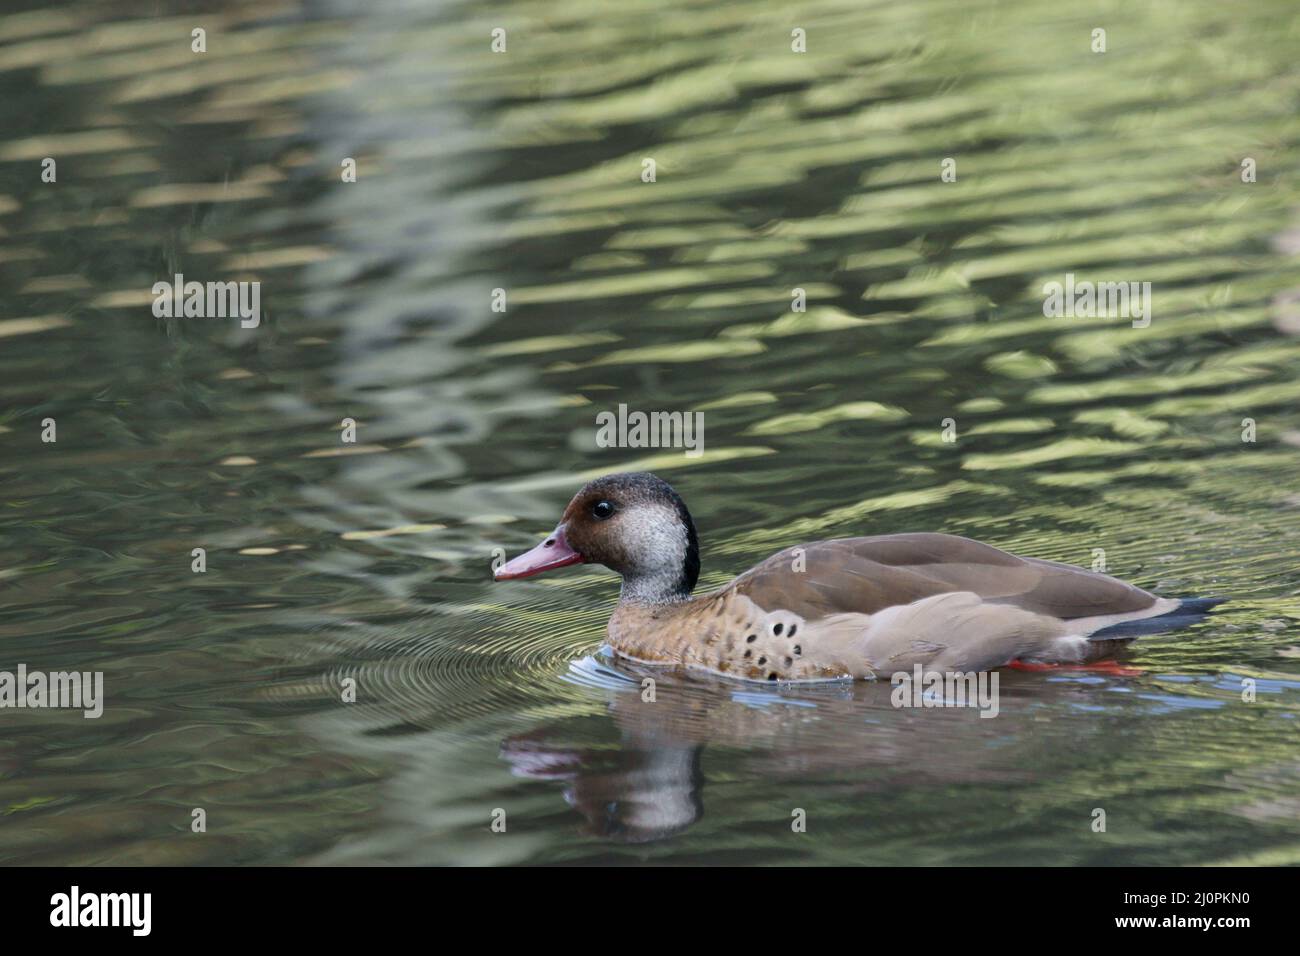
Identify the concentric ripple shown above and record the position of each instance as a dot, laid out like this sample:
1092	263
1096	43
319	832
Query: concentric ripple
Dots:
447	664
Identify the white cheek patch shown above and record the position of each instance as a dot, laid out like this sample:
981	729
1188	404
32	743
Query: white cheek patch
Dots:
653	542
653	538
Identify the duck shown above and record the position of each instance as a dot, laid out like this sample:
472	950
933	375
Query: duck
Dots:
846	608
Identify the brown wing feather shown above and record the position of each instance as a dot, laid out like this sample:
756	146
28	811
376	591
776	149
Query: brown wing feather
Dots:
867	575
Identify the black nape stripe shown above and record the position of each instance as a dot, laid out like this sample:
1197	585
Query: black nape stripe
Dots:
691	565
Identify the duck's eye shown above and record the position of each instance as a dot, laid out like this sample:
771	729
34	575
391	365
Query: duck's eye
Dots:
602	510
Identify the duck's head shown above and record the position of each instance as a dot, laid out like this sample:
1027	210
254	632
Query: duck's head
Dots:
632	523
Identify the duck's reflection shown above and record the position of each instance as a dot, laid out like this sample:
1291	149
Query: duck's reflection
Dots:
632	795
651	785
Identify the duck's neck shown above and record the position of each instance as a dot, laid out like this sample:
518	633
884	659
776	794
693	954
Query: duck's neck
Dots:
652	589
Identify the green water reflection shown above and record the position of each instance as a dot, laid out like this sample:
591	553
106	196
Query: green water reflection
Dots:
522	171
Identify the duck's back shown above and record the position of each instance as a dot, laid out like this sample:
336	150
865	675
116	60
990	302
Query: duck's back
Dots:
886	603
868	575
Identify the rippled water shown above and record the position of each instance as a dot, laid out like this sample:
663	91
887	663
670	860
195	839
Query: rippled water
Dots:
775	170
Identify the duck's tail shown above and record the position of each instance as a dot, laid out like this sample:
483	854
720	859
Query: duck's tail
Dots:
1188	611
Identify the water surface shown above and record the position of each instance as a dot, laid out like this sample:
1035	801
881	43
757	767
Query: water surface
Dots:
477	171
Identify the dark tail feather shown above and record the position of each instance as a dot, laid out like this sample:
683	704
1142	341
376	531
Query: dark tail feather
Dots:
1189	611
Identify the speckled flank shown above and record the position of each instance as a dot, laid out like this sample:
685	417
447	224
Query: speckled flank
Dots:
725	634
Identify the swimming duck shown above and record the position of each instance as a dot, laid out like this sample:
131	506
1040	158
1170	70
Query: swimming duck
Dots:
850	607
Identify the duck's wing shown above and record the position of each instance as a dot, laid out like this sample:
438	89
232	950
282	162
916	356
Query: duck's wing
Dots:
863	606
869	575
